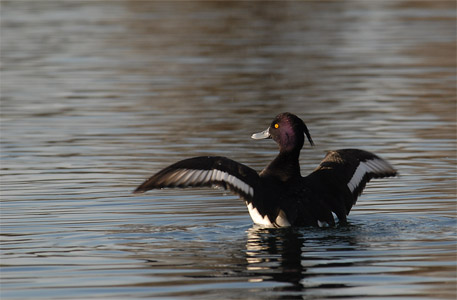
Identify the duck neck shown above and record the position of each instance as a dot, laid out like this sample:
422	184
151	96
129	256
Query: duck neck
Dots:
285	166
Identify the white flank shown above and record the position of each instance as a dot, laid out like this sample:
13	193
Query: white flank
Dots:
257	217
281	219
335	217
322	224
370	166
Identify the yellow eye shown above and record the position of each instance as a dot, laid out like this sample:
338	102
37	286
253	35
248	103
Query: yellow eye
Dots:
276	125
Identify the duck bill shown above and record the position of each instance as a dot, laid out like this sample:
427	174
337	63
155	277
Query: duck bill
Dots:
261	135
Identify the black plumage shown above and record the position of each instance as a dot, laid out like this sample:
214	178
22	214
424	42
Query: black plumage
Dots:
279	195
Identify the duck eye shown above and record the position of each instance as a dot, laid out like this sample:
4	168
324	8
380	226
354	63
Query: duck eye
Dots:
276	125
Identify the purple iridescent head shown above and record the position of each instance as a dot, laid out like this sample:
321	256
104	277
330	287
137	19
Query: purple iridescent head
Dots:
288	131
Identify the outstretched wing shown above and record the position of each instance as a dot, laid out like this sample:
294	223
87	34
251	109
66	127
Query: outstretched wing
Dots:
342	176
206	171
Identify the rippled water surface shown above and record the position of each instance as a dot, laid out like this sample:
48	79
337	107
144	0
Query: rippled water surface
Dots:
96	96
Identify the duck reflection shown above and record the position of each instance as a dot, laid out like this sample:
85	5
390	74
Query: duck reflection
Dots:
280	255
275	254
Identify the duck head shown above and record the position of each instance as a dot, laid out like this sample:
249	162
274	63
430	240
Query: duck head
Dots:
288	131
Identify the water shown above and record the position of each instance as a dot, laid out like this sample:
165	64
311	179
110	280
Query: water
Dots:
96	96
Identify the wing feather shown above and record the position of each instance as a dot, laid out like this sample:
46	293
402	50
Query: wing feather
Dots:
205	171
343	174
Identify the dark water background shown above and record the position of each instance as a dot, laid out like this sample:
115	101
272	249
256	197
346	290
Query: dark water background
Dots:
98	95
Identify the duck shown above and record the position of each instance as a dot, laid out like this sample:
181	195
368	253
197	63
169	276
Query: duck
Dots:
279	196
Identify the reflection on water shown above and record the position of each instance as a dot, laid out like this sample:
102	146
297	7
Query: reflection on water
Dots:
353	261
96	96
276	256
359	260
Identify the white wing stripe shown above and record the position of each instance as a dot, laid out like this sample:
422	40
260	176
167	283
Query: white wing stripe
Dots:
225	176
208	175
380	165
213	175
219	175
239	184
186	176
193	176
202	176
177	176
376	166
357	177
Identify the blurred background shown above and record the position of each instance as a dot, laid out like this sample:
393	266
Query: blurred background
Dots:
98	95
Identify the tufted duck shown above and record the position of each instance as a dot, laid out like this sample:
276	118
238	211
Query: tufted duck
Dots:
279	196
